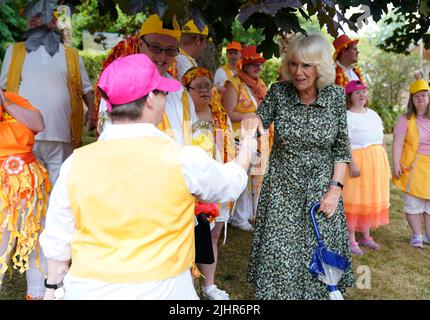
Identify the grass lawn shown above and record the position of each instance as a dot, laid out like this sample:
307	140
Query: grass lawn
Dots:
397	271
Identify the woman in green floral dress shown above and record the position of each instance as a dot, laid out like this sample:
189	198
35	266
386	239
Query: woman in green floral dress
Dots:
307	164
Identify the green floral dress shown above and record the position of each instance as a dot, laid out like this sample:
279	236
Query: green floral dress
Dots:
308	141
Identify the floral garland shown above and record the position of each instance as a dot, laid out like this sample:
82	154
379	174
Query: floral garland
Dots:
342	79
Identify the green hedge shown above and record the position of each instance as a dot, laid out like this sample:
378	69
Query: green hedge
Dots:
270	71
93	62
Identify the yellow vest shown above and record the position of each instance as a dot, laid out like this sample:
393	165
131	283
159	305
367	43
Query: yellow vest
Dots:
74	85
164	125
245	104
133	211
228	71
411	144
415	179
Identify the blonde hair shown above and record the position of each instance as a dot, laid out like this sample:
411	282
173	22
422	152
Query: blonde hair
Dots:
315	50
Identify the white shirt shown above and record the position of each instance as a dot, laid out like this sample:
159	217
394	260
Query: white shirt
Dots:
44	85
205	178
364	129
221	77
174	110
183	63
349	72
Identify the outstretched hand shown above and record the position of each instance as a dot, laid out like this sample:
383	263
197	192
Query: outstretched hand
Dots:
250	124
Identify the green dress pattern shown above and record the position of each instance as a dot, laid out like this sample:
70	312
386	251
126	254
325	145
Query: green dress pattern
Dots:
308	141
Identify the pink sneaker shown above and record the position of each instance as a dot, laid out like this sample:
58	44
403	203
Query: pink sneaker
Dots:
355	249
370	243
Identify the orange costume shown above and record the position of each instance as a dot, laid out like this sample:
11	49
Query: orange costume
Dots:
24	189
340	43
342	79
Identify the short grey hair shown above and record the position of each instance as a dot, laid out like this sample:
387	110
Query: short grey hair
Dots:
313	49
131	111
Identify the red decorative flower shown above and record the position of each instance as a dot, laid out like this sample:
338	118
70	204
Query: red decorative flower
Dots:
14	165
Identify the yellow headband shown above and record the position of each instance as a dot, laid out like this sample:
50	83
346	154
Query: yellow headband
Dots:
195	73
155	25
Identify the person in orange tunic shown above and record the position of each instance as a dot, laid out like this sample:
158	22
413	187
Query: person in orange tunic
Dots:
345	56
24	188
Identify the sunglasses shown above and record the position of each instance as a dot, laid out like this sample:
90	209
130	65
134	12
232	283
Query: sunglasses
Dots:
153	48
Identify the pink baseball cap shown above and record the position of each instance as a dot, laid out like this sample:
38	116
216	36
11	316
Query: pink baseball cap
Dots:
354	85
130	78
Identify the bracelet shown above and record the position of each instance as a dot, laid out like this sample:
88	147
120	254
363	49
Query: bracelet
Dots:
336	184
52	286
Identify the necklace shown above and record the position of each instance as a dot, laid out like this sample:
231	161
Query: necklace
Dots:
202	125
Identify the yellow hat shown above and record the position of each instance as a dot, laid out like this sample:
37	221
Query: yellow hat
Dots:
155	25
419	85
190	27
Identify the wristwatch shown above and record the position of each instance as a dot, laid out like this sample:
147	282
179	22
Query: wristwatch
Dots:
52	286
336	184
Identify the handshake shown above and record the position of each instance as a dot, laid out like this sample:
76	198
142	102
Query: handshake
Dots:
250	125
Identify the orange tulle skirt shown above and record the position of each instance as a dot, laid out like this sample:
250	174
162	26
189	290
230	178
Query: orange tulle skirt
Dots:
367	197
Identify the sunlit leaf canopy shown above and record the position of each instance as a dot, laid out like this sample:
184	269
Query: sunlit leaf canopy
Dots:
273	16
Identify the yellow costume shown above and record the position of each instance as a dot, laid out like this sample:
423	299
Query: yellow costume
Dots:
415	179
160	243
245	104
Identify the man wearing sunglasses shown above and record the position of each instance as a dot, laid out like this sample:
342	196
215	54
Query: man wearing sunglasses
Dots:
192	45
160	42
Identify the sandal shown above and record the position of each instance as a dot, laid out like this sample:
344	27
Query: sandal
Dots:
355	249
370	243
417	241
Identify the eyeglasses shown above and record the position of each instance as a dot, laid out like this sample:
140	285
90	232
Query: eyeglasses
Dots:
202	88
171	52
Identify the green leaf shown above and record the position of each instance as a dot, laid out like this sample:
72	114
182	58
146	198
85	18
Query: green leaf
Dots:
175	8
269	47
